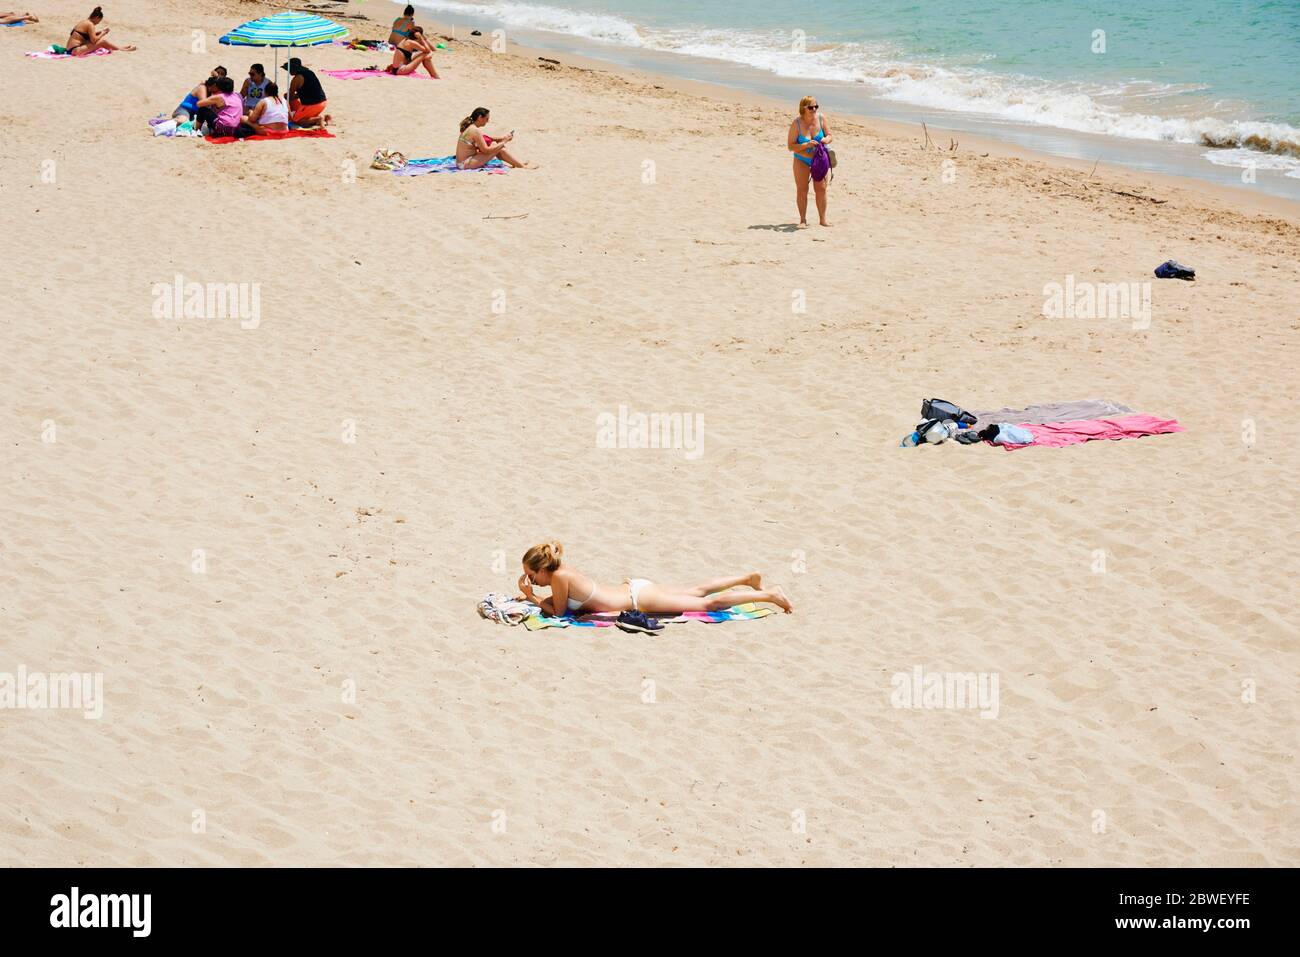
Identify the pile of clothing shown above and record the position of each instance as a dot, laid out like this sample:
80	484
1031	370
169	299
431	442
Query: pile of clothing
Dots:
1050	424
169	127
506	610
383	46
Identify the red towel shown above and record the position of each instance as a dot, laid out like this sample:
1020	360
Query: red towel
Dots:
1057	434
281	135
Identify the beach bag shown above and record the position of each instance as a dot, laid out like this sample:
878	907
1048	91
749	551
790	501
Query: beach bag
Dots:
935	431
821	161
831	153
943	409
388	159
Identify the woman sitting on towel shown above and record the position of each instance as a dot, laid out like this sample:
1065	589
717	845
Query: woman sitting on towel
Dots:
307	102
475	150
574	593
223	109
17	18
189	107
409	58
411	52
85	39
254	87
404	28
271	115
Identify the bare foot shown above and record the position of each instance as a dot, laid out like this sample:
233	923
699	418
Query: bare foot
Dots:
803	224
780	598
326	120
755	581
129	48
824	223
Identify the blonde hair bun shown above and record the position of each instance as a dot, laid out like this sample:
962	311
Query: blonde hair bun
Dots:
544	557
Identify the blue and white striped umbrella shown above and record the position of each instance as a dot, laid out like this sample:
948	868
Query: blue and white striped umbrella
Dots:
287	29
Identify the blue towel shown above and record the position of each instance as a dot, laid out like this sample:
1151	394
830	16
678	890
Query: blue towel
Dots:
442	164
17	23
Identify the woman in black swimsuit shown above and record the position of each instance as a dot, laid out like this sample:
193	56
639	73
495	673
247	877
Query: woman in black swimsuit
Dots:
85	39
415	50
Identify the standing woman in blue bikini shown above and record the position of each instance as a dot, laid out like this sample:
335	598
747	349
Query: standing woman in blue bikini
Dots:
808	126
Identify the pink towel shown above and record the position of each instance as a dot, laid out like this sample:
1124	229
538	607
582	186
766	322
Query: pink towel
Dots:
362	74
1055	435
47	55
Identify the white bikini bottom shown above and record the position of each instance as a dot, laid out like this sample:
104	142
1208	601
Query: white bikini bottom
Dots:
634	586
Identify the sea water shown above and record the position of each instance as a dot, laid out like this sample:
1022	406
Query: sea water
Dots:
1208	88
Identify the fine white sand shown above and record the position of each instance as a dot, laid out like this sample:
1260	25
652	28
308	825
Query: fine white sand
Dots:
312	685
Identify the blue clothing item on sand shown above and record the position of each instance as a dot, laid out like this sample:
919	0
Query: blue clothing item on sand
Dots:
1173	270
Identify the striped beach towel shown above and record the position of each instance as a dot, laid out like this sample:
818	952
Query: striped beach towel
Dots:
607	619
445	164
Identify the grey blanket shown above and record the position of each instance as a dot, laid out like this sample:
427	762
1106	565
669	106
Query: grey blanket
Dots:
1053	412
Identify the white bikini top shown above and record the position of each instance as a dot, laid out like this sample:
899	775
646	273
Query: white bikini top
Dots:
574	604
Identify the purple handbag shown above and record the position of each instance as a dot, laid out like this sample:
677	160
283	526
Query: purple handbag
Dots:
821	161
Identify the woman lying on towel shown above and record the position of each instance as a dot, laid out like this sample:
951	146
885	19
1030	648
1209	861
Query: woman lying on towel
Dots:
271	115
473	149
17	18
85	39
574	593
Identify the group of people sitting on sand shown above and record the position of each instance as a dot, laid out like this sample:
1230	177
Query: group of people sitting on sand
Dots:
258	107
213	106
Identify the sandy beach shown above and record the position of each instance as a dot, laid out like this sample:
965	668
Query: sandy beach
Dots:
269	532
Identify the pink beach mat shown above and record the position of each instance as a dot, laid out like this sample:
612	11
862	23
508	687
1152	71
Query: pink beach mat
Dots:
362	74
1057	435
50	55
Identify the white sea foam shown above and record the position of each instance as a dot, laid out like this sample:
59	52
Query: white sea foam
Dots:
1244	158
1112	109
532	16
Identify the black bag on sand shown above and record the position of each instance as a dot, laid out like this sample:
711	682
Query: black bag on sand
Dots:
943	409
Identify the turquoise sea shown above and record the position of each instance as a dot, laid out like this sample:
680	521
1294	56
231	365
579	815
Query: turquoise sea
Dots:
1198	87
